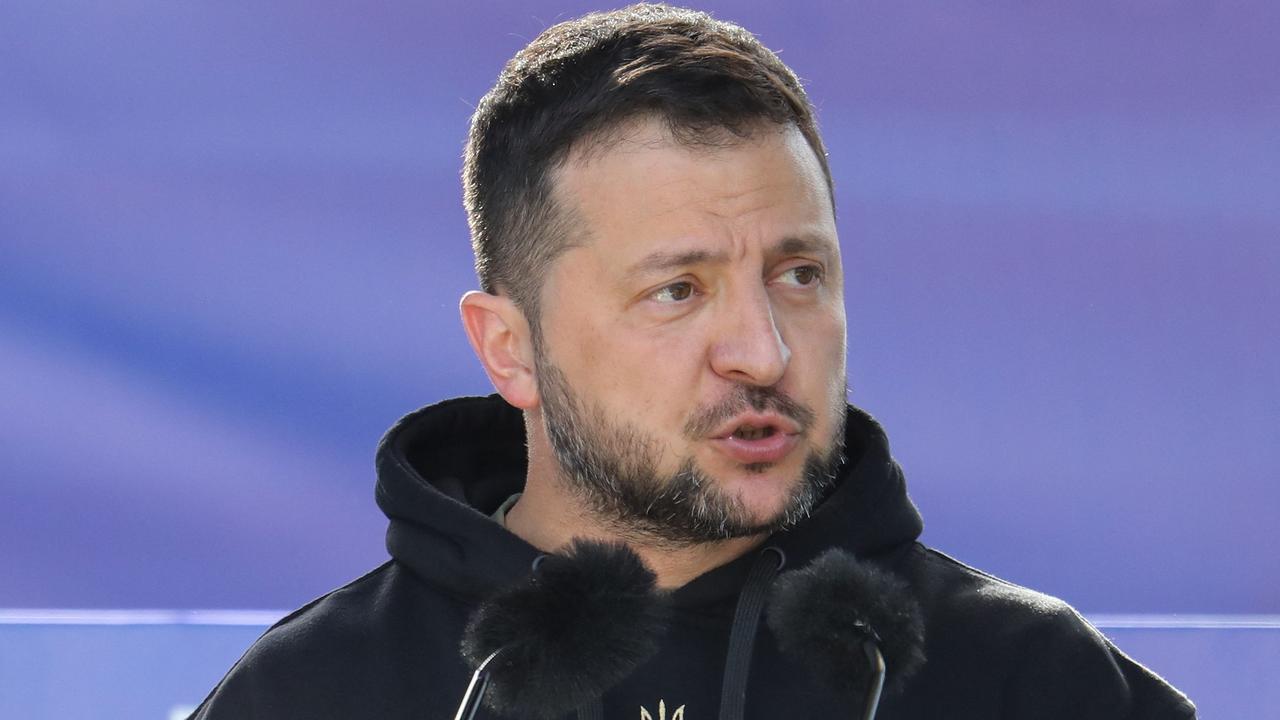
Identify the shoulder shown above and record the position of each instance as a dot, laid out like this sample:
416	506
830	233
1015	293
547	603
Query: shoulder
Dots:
956	592
345	653
1047	658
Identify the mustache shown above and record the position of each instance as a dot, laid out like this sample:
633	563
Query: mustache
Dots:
706	419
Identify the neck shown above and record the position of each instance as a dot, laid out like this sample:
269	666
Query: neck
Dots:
548	517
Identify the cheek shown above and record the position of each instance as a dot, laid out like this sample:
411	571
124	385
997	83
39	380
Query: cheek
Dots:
818	337
634	370
655	375
818	363
590	346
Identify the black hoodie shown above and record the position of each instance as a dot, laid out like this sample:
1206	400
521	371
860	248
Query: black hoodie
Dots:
387	645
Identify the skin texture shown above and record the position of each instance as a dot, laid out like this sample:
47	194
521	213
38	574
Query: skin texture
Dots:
611	464
701	273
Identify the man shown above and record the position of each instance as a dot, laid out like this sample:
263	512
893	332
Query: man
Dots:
662	316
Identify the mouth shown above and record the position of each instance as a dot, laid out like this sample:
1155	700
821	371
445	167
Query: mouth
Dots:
757	439
756	426
753	432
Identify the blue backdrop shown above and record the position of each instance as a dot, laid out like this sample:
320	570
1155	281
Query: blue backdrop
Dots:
231	247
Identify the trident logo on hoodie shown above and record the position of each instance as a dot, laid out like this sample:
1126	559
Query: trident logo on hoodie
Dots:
662	712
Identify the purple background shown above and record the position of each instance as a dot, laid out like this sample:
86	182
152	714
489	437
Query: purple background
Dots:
231	247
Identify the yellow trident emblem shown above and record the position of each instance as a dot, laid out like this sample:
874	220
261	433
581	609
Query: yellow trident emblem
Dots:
662	712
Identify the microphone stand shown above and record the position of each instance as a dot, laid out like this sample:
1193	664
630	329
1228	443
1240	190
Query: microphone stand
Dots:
876	660
475	690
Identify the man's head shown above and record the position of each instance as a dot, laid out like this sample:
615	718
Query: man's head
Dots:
708	81
652	219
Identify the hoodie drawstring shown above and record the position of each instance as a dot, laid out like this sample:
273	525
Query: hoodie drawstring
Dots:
742	635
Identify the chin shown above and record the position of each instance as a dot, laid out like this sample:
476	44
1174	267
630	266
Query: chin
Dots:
764	491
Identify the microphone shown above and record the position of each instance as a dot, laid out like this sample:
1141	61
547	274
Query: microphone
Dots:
849	623
579	624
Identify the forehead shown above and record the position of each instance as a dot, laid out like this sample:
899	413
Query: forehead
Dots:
639	186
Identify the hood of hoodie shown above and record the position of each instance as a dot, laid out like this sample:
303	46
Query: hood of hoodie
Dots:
387	645
444	469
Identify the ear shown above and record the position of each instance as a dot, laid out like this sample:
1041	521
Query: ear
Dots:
500	336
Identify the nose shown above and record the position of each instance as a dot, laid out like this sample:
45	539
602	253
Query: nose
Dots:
748	348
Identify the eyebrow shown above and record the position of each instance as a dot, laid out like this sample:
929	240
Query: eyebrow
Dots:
803	244
663	260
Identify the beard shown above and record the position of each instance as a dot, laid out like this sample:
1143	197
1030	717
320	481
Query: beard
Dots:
612	467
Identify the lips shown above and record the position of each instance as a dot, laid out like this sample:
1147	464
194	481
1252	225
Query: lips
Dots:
755	438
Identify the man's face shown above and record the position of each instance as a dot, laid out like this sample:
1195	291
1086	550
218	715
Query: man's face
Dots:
691	363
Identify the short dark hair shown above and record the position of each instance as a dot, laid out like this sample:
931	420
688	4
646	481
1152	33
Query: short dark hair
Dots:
707	79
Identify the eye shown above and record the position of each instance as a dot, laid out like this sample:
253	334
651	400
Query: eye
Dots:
802	276
673	293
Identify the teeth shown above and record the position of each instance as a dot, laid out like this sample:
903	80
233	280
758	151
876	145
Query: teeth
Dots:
752	433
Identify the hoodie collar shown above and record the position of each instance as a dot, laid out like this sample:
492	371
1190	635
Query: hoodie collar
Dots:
443	469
